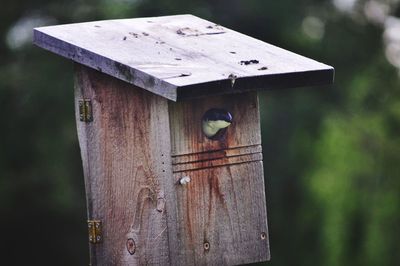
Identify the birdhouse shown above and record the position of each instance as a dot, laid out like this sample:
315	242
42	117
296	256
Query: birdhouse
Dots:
169	129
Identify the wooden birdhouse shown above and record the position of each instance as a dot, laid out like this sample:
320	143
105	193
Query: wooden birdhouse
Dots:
169	130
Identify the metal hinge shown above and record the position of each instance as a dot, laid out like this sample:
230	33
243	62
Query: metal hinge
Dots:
85	110
94	227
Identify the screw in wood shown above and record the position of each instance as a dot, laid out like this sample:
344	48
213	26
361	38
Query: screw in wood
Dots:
184	180
206	246
263	236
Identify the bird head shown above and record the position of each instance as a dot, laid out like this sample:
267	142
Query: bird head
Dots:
215	121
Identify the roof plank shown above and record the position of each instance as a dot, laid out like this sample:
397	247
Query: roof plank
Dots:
181	56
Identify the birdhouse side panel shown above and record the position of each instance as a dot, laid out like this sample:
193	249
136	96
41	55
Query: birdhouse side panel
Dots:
125	150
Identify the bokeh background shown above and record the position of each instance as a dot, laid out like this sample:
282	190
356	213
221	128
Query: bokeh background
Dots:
331	154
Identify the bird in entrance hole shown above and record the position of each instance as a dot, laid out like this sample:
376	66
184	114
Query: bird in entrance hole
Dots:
215	121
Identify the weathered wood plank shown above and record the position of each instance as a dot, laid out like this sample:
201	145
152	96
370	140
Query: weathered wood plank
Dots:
127	167
225	207
222	210
181	56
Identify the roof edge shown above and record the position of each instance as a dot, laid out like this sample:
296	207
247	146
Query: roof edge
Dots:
105	65
288	80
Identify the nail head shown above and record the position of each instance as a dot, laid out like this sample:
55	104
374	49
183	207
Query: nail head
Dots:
184	180
263	235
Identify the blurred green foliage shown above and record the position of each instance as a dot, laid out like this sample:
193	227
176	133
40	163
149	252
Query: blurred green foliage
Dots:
332	154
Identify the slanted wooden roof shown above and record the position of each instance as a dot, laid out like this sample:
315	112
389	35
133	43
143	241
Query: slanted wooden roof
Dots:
181	56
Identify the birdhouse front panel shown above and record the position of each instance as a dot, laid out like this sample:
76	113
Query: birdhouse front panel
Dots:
221	206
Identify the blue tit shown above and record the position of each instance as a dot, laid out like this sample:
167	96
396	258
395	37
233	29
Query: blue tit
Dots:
215	121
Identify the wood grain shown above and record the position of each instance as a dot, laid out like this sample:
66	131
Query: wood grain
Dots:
215	154
181	56
240	159
127	167
223	206
129	152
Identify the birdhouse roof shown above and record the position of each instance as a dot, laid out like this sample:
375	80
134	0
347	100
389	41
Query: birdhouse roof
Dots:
181	56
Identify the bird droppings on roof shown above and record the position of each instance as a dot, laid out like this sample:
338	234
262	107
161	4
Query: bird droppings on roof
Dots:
189	32
186	74
181	31
134	34
249	62
182	74
215	26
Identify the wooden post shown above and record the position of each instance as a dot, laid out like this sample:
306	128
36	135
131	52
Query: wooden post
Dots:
160	191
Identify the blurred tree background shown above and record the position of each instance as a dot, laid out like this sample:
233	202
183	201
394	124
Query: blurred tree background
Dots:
332	154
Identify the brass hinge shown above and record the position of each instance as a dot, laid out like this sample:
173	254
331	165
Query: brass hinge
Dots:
94	227
85	110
